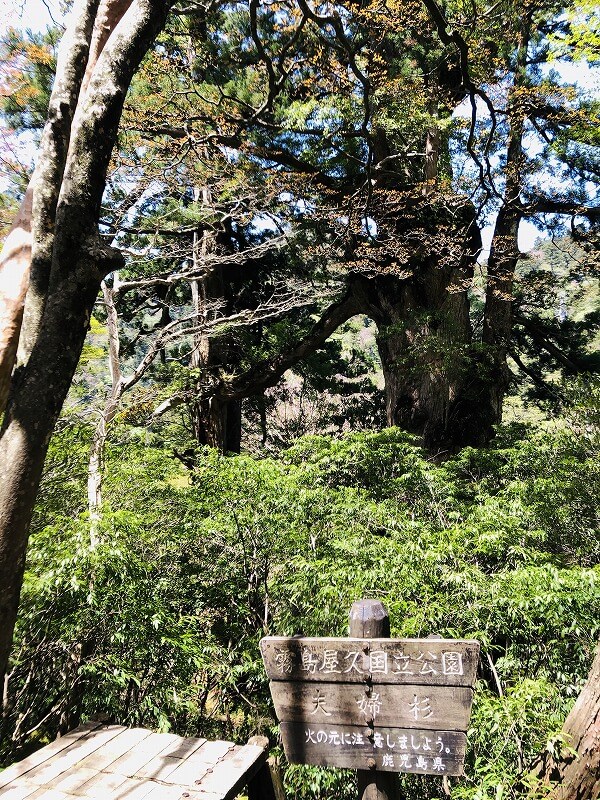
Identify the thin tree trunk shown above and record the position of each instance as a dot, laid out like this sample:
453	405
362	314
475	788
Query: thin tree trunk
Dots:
573	773
504	252
432	154
216	422
107	415
14	280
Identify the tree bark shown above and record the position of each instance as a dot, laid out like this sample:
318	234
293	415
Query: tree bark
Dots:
79	261
504	251
216	422
14	280
424	332
424	342
573	773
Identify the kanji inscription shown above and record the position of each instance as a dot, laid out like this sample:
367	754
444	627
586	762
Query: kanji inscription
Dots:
391	749
398	705
414	661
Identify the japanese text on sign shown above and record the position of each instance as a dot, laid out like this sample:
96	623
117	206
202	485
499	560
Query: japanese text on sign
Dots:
331	662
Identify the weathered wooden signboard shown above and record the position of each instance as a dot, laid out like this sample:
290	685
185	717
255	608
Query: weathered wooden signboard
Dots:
397	705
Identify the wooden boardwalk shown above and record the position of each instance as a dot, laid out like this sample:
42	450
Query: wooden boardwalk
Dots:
110	762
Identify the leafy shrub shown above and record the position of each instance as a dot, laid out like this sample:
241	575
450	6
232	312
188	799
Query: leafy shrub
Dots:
159	622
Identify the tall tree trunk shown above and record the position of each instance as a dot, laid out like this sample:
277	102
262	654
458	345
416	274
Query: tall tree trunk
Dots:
504	251
29	421
216	422
424	331
424	337
574	772
424	342
78	262
16	255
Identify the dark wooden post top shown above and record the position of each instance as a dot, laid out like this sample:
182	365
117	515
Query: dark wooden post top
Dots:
369	619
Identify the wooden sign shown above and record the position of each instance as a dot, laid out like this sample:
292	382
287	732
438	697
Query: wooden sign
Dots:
397	705
429	662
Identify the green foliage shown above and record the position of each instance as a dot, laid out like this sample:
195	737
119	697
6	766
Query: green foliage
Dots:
158	621
580	37
557	323
28	66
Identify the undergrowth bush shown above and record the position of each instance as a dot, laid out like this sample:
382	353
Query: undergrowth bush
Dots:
157	622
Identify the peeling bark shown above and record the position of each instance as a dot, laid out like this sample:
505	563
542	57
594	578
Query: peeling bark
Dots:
19	326
110	13
14	280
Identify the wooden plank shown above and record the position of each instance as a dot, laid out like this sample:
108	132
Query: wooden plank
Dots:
68	758
423	662
45	753
102	784
20	790
431	707
234	771
193	769
126	740
188	774
107	787
143	753
187	794
162	792
167	762
423	752
49	794
190	795
71	781
159	769
188	746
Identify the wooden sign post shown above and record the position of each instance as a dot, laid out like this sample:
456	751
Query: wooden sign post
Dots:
372	703
369	619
